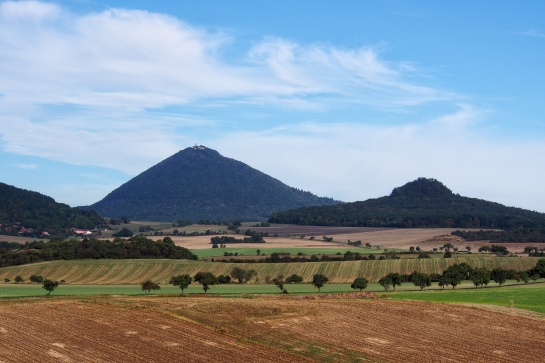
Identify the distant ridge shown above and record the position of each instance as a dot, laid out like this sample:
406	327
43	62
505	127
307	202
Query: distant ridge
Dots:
424	202
24	208
198	183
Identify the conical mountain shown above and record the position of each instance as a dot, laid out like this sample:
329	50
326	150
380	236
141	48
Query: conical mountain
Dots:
420	203
198	183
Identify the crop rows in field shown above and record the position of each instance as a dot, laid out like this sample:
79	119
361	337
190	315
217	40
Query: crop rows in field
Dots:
112	272
72	331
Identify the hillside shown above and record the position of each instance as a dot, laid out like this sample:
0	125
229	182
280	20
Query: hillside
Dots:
420	203
119	272
23	208
198	183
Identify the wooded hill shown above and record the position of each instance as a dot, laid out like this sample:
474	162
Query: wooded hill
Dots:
420	203
198	183
23	208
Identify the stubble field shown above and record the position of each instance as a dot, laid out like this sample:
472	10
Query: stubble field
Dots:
341	328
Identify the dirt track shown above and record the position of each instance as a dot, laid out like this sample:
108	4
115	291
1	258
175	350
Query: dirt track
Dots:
213	329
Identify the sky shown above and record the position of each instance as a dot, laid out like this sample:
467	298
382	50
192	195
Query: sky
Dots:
347	100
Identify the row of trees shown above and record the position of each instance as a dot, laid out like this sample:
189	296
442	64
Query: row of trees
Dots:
455	274
74	249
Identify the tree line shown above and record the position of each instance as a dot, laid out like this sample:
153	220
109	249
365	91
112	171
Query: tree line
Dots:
455	274
136	247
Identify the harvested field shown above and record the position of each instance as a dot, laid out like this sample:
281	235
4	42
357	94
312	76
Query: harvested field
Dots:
262	329
203	242
75	331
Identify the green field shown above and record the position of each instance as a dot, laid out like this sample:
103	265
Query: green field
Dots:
122	272
529	297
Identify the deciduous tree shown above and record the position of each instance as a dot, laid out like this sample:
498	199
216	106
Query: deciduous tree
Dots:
359	283
50	285
182	281
319	280
149	285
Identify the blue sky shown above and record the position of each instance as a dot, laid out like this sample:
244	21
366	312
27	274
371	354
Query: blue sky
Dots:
344	99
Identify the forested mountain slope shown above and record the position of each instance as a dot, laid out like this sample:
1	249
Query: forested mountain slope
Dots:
420	203
23	208
198	183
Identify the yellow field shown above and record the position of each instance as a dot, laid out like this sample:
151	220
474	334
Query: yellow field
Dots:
118	272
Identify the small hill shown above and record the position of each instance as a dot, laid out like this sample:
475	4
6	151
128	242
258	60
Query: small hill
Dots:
23	208
421	203
198	183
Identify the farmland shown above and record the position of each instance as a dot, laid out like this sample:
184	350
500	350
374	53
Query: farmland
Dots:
262	329
120	272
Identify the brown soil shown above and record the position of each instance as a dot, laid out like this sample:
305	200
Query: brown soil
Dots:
340	327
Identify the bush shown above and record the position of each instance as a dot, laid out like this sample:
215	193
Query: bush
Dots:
294	279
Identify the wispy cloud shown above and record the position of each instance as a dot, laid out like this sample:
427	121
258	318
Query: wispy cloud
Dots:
26	166
351	162
103	83
137	59
532	33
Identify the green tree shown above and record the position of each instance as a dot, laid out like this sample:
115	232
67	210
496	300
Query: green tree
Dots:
540	267
385	282
50	286
279	283
124	232
524	276
396	279
480	277
499	275
36	278
206	279
238	273
319	280
19	279
535	277
359	283
249	274
294	279
421	280
149	285
442	282
182	281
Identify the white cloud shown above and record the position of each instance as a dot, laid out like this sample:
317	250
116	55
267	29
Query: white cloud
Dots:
355	162
89	88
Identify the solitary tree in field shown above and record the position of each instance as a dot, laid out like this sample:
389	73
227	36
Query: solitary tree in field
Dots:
182	281
50	286
18	279
149	285
319	281
206	279
279	283
359	283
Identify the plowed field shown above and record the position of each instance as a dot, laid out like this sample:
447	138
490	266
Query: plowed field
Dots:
262	329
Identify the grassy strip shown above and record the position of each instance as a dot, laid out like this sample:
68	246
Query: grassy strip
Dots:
529	297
